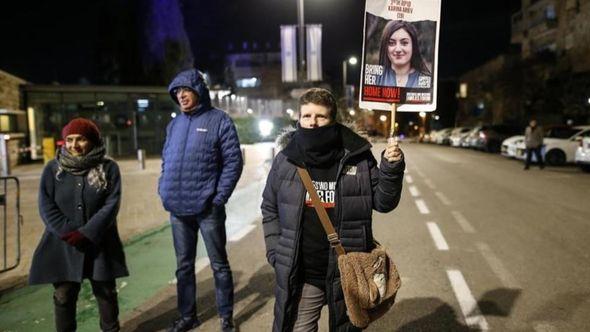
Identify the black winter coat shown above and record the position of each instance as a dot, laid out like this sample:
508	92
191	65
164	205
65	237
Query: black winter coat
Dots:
361	186
69	204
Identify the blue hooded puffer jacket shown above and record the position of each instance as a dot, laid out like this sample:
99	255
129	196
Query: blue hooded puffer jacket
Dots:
201	160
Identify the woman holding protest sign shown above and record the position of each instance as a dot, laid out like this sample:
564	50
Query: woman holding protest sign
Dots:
350	185
399	54
79	199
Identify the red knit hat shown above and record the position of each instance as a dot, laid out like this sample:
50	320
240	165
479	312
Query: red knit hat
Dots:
84	127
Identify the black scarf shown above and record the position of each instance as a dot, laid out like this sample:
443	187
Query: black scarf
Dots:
320	146
80	165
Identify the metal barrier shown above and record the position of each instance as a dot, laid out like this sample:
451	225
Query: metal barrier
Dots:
10	212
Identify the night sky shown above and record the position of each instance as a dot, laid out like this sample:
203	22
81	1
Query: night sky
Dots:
71	42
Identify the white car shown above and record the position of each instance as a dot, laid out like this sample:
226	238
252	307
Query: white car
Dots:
458	135
442	136
583	154
509	145
560	144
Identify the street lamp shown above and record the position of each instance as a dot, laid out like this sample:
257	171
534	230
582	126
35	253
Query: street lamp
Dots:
353	61
423	117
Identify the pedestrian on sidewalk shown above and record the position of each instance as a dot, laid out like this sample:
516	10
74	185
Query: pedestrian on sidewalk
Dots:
79	199
201	165
350	184
533	141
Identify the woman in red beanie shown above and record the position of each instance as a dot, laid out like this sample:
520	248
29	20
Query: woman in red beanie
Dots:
79	199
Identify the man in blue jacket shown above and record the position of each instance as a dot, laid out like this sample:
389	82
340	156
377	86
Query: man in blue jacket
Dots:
201	164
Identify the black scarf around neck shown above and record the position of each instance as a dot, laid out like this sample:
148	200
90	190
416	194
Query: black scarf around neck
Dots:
320	146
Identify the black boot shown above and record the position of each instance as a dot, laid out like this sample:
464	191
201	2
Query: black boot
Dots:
227	324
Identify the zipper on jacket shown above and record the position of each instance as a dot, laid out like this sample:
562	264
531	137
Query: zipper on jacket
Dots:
188	129
298	231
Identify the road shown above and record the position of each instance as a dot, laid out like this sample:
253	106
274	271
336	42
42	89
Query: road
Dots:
483	244
480	244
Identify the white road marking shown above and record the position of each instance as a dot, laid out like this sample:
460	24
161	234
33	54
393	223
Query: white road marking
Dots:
422	206
429	183
443	198
241	233
419	172
414	191
437	237
409	179
497	266
469	307
462	221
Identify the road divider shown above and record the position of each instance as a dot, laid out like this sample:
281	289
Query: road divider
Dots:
471	312
437	237
429	183
463	222
497	266
422	206
443	198
414	191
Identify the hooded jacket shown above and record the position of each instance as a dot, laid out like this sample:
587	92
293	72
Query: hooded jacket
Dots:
201	159
362	187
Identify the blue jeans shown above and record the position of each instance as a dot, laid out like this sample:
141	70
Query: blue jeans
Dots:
184	231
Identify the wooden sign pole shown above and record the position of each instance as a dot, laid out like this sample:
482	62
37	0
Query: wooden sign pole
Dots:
392	126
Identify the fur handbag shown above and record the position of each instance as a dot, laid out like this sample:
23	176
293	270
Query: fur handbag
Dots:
370	280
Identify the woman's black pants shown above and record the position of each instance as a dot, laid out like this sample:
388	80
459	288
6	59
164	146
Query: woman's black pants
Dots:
65	297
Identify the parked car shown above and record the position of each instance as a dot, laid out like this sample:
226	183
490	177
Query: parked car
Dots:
560	144
490	138
442	137
458	135
582	157
472	136
509	146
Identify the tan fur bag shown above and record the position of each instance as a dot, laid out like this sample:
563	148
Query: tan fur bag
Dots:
370	280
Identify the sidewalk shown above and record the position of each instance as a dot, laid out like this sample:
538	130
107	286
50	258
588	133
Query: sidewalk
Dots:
141	210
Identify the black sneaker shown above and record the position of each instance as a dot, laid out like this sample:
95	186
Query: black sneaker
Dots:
227	324
184	324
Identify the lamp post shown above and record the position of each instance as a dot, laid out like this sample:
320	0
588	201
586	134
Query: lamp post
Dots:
423	117
352	61
301	24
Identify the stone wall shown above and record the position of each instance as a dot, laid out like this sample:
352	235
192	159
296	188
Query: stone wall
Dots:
9	91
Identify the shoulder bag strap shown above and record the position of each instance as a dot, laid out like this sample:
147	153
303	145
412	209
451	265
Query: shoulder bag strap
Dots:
321	211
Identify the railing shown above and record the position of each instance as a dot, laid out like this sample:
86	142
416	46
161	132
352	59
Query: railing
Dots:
10	223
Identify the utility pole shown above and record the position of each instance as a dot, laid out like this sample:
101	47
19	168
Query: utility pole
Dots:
301	22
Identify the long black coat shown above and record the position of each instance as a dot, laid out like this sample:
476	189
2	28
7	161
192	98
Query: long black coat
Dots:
361	187
69	204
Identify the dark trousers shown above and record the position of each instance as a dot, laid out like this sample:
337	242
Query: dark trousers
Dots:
529	155
65	297
211	223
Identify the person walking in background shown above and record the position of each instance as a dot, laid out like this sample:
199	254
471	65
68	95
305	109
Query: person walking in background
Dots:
350	184
79	199
201	165
533	141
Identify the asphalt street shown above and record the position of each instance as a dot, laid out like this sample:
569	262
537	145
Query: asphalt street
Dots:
480	243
